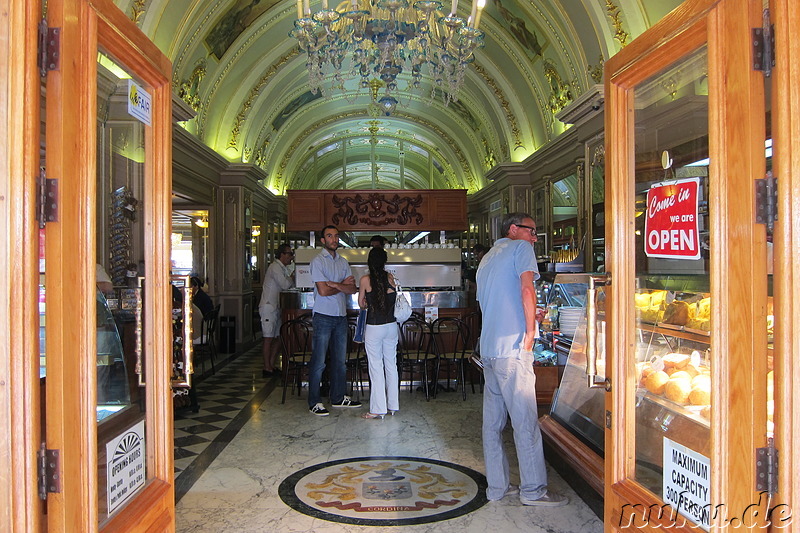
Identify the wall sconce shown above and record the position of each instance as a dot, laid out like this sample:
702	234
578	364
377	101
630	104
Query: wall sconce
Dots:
202	222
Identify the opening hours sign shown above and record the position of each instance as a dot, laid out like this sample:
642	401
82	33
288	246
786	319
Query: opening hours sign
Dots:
671	225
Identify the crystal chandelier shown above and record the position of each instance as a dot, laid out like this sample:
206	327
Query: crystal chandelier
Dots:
372	40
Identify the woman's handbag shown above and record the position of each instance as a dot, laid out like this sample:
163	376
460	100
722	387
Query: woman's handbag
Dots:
361	326
402	307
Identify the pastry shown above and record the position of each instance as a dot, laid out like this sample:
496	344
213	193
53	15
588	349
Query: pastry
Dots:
676	313
679	374
691	370
678	390
676	360
705	412
656	382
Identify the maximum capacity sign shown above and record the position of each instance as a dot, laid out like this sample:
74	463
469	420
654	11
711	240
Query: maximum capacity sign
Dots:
671	223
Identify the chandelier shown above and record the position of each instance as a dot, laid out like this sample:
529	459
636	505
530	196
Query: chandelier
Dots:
373	40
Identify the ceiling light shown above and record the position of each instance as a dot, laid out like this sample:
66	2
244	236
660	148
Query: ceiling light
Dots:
202	222
381	39
256	231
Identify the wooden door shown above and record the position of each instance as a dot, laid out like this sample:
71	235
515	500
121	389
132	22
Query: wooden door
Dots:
685	129
785	113
108	142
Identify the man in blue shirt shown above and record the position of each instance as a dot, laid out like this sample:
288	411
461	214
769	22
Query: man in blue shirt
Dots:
333	281
507	298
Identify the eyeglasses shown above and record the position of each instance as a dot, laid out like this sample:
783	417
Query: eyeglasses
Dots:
531	228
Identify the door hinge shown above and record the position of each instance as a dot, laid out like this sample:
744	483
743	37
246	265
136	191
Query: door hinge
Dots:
764	46
49	471
767	468
46	199
767	200
49	48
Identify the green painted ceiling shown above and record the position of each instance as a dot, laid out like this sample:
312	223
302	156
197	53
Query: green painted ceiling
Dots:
234	62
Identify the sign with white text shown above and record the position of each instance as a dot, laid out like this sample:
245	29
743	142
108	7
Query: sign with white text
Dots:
139	103
125	466
671	225
687	483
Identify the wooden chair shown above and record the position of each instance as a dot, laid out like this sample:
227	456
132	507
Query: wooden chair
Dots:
355	361
451	346
413	352
295	338
205	347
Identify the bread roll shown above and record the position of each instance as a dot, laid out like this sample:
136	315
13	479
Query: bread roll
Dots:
656	382
691	370
678	390
700	395
679	374
702	379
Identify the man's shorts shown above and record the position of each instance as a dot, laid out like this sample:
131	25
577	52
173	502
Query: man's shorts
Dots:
270	320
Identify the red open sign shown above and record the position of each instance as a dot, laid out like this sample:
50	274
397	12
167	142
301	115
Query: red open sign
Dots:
671	226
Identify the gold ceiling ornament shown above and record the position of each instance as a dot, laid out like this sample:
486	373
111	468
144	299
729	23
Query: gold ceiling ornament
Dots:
596	72
189	89
261	153
560	93
512	121
137	10
241	116
615	15
364	39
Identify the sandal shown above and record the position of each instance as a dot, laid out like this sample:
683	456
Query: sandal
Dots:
370	416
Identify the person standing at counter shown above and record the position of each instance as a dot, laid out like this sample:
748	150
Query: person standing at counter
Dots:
376	293
276	279
507	299
333	281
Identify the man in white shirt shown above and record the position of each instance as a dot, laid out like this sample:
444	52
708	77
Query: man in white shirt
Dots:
277	279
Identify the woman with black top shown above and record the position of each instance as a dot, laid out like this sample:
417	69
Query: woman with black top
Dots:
377	294
199	296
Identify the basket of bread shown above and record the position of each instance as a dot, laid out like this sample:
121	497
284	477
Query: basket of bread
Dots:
680	378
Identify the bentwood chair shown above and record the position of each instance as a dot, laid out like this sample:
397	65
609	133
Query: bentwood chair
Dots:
414	355
451	346
295	338
355	361
205	346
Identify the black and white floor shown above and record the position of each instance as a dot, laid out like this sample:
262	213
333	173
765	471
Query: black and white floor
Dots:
247	463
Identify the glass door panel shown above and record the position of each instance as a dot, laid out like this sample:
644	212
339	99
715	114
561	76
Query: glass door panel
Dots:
121	356
673	299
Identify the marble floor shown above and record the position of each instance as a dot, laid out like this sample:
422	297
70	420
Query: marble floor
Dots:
230	483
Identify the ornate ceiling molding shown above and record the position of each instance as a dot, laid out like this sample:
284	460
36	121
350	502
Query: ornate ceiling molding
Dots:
498	93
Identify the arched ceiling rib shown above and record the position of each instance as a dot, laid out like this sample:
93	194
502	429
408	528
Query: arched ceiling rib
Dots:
235	63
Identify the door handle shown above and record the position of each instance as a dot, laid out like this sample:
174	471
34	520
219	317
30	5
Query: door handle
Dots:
139	333
591	332
188	344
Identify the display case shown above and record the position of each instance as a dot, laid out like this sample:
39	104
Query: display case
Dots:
113	391
672	373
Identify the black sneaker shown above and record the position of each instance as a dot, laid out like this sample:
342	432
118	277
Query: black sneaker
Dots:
347	401
319	410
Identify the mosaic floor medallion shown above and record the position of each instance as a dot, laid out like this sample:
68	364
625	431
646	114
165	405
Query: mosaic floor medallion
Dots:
372	491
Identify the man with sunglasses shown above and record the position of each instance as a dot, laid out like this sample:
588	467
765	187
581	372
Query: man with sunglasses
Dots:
508	305
277	279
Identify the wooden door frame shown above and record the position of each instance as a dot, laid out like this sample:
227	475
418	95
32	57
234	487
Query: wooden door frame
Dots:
737	340
20	433
786	165
71	381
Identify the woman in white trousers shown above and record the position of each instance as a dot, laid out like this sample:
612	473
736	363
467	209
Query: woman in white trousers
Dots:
377	295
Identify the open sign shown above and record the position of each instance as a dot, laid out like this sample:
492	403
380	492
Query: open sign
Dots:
671	225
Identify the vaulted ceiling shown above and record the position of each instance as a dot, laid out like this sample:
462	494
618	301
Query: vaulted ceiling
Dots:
235	64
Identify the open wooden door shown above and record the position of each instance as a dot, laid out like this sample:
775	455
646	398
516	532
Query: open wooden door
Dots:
687	306
107	351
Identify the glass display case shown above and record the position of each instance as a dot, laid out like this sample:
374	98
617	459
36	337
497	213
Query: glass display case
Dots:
673	374
113	391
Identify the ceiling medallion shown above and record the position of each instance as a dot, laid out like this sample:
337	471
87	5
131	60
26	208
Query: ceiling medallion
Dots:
377	40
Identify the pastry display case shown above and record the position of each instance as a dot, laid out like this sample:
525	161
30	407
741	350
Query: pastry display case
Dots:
672	373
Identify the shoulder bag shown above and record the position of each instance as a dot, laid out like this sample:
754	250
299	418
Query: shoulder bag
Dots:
402	307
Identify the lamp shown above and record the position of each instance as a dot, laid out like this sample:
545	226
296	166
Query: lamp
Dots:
256	231
381	39
202	222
